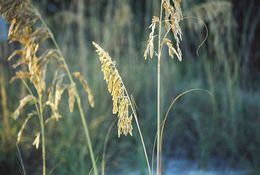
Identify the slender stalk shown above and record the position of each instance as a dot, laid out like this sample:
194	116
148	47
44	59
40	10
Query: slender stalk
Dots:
31	93
42	135
139	131
84	122
171	105
39	109
158	167
82	115
21	160
105	148
142	140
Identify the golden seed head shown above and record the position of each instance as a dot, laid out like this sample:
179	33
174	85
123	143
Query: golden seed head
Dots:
117	90
29	62
172	18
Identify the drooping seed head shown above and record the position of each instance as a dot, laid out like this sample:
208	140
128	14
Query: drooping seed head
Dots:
117	90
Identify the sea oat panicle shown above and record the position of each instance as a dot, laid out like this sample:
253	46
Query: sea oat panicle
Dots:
150	46
117	90
29	62
172	17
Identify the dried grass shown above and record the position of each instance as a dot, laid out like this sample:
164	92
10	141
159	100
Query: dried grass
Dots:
29	30
117	90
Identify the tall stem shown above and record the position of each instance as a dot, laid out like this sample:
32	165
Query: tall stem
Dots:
158	167
85	126
139	130
141	135
42	135
82	115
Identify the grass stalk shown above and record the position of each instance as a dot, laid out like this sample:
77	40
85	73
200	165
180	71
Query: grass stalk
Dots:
105	148
39	109
173	102
158	167
139	131
42	136
82	115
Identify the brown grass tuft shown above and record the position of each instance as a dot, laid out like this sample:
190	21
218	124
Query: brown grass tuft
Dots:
28	29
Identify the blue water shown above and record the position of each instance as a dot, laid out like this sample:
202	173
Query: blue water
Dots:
187	167
3	29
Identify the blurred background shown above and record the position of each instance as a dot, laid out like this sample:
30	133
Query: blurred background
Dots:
215	134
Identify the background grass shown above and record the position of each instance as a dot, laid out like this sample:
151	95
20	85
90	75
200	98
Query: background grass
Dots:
222	129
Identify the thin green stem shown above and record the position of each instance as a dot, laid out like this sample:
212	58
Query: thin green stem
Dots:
84	122
31	93
42	135
171	105
39	108
158	168
139	130
105	148
82	115
153	152
142	140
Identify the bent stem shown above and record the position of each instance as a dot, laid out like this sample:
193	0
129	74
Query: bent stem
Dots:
82	115
171	105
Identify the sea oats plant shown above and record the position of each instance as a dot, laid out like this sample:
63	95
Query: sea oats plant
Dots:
30	63
120	98
166	24
168	21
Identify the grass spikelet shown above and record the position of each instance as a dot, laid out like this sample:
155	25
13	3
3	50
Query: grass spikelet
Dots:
172	17
71	100
36	141
19	135
59	89
117	90
150	46
171	50
26	100
86	88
